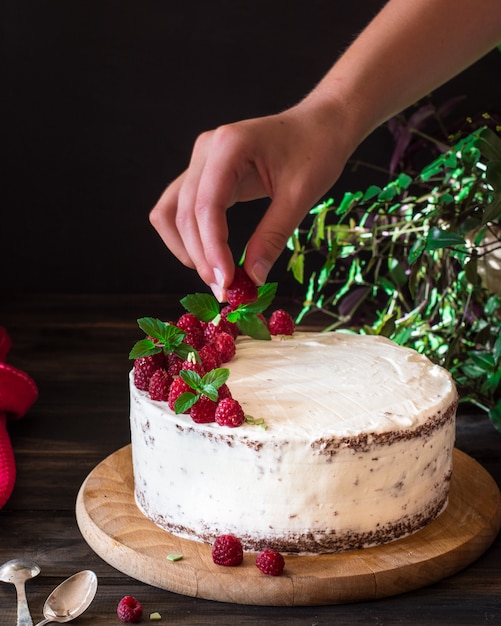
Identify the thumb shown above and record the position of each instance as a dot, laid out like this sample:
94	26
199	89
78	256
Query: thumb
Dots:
270	238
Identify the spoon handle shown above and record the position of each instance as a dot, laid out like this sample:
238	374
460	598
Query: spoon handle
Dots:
23	612
43	622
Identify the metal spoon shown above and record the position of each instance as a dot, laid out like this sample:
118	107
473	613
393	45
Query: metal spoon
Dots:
70	599
18	572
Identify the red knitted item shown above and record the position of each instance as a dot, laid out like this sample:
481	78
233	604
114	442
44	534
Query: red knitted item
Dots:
17	393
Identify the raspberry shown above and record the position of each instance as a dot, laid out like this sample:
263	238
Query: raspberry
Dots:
194	338
209	357
177	388
232	327
129	610
159	385
229	413
188	322
225	345
211	330
223	392
193	329
144	368
281	323
242	289
227	550
174	364
270	562
202	412
194	366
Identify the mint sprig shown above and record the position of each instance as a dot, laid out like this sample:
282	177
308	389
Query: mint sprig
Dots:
161	337
202	305
206	385
250	324
246	315
206	308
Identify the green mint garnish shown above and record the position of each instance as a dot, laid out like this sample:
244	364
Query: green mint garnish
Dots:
170	339
202	305
206	385
266	293
144	347
174	557
265	296
166	337
246	315
253	326
156	328
255	422
185	402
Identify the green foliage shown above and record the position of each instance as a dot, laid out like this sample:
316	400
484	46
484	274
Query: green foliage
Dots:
206	385
406	261
160	337
246	316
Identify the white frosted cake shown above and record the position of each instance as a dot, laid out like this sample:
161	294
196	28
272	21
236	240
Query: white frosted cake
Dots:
357	449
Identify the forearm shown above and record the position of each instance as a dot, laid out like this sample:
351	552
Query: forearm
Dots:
409	49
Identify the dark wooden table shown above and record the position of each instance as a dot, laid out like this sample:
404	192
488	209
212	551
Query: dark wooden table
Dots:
75	347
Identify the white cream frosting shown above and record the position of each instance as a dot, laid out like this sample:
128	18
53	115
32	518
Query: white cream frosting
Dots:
357	449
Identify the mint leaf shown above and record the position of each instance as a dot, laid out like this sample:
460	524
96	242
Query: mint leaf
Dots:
213	380
173	337
154	328
234	316
209	384
185	402
191	378
184	351
168	336
253	326
266	294
216	377
144	347
210	391
202	305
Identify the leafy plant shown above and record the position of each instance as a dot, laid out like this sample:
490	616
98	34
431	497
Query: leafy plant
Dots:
412	261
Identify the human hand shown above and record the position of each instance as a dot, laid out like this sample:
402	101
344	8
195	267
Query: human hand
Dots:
293	158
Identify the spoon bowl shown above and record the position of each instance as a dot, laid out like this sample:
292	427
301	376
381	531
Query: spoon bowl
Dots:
70	599
17	572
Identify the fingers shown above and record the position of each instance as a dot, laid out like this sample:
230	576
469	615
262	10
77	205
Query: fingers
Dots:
163	218
271	235
191	214
282	157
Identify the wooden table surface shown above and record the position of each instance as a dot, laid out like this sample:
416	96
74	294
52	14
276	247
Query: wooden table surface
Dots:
75	347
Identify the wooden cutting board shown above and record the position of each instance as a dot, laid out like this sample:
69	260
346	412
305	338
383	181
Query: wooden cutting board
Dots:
121	535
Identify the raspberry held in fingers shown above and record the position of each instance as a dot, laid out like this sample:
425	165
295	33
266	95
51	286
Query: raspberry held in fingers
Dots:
242	289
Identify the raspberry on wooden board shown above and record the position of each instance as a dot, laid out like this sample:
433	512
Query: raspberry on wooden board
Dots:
227	550
270	562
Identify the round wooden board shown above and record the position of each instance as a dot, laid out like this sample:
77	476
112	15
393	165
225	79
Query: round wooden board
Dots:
120	534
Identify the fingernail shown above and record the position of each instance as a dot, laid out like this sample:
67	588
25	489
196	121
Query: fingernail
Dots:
217	287
260	271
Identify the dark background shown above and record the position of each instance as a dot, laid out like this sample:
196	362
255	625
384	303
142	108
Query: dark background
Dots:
102	100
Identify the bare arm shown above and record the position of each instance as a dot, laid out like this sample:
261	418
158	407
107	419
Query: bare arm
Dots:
294	157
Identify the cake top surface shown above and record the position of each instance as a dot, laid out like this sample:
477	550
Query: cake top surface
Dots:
337	383
331	383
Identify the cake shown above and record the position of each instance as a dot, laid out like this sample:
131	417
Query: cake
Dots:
356	452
